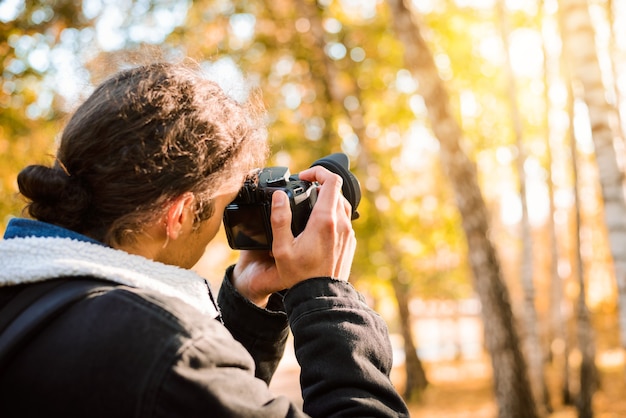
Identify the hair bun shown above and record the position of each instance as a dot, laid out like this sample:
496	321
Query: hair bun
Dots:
55	197
42	184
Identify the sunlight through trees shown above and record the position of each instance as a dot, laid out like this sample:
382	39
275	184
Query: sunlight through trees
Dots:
487	136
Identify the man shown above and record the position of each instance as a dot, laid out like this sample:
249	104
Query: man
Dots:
144	170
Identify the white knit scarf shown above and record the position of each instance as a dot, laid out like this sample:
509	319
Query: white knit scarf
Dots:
35	259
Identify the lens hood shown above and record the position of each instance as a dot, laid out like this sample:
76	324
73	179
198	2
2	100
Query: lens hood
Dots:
339	163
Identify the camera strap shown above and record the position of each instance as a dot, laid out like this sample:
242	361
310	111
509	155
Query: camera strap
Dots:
36	306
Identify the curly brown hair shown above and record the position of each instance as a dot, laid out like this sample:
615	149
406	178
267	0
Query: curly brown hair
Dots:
143	138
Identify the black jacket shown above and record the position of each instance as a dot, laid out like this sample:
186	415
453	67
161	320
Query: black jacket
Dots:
134	352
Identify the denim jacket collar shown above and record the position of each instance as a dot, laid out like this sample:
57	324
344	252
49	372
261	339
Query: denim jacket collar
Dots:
22	228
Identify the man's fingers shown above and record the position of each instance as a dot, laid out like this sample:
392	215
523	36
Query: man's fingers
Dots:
347	207
328	242
329	194
347	240
281	223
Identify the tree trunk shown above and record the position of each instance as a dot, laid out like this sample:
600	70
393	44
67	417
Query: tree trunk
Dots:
416	380
557	337
580	53
512	389
532	344
584	332
616	96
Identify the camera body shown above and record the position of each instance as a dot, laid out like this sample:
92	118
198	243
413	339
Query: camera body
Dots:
247	217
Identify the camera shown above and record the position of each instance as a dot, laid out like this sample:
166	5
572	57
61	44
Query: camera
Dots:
247	217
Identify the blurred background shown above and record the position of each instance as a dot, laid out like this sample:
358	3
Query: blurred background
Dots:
486	134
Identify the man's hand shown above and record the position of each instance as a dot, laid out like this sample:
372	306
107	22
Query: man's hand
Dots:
325	248
255	276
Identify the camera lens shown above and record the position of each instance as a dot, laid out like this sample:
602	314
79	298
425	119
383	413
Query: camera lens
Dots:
339	163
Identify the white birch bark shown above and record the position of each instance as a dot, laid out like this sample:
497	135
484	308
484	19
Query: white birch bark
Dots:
580	50
533	348
587	375
558	330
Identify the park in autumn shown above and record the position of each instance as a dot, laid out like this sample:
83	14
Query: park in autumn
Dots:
488	139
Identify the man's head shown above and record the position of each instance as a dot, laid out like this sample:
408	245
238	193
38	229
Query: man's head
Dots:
144	138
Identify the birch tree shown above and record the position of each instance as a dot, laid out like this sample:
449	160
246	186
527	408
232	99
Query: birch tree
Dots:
587	373
558	330
582	60
616	95
512	388
532	346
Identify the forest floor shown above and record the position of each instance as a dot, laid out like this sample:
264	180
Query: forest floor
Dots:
463	389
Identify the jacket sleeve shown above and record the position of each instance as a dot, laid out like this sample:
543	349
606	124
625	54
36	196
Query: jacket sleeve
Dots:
344	352
263	332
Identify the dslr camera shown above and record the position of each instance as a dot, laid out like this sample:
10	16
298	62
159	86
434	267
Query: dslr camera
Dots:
247	218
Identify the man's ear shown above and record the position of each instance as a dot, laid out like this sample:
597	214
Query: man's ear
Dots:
179	213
